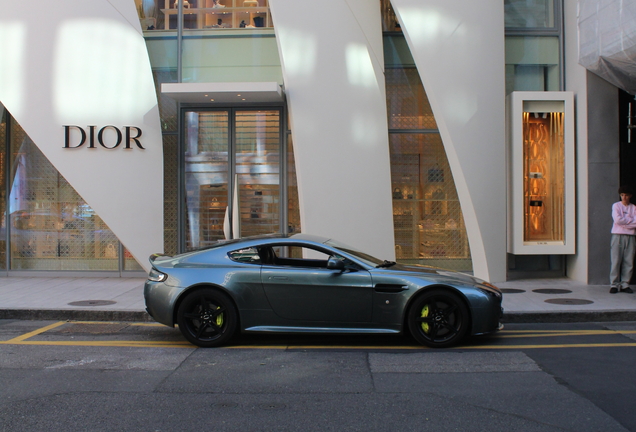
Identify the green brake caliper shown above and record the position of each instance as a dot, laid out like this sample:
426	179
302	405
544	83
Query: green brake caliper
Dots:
424	315
219	319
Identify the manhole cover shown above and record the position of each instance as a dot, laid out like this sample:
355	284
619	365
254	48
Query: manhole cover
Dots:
92	303
512	291
272	406
552	291
569	301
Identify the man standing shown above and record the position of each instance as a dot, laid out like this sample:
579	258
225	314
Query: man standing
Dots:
623	245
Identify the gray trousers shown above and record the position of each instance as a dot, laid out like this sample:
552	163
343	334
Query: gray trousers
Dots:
623	247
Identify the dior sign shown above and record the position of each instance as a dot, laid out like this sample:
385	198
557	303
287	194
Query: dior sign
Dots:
109	137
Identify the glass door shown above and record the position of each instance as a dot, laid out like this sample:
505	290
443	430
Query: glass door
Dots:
232	181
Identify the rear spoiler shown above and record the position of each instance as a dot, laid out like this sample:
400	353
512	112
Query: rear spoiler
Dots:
154	256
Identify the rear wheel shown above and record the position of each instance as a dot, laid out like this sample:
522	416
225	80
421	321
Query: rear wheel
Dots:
207	317
438	319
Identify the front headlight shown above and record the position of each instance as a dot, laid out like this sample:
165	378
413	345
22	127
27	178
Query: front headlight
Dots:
157	276
489	289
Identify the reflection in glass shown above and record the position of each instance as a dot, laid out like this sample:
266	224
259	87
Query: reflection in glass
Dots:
206	176
544	176
51	227
529	14
3	157
258	172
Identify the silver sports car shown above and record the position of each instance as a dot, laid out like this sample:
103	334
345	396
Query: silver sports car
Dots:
304	283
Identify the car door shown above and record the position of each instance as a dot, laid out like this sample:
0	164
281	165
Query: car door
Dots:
300	287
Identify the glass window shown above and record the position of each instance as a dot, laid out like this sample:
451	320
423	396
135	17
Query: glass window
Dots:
249	255
204	14
51	226
3	200
293	203
529	13
532	63
258	171
428	222
232	167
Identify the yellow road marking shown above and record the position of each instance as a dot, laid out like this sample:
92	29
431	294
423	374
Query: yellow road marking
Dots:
570	333
159	344
36	332
22	340
105	344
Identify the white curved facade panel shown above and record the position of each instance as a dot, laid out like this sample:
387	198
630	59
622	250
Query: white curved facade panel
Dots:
79	63
332	69
458	48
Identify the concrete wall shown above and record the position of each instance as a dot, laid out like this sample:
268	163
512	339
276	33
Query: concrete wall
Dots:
576	82
603	176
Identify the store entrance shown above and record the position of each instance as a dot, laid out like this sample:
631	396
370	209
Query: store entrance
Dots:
232	185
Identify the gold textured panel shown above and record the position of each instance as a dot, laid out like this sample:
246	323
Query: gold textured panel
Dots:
428	221
407	104
51	226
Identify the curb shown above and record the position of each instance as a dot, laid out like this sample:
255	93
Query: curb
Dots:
568	317
74	315
142	316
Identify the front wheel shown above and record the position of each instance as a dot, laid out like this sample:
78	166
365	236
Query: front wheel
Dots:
207	318
438	319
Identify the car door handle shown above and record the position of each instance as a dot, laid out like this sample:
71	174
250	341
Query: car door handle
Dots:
390	288
278	277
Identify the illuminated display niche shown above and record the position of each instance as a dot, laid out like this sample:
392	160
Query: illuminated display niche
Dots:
541	219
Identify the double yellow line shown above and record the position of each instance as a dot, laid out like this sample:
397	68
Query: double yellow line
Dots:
24	340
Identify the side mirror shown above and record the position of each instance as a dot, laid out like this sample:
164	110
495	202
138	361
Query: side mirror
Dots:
334	263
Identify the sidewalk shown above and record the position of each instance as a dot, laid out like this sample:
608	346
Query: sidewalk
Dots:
121	299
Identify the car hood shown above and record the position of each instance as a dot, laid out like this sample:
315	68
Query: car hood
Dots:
416	270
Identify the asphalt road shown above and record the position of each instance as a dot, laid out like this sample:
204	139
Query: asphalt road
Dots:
68	376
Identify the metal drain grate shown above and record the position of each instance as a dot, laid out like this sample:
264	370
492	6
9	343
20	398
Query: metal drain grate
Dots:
563	301
512	291
92	303
552	291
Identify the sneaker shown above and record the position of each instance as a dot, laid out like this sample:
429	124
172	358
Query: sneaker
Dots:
613	290
627	290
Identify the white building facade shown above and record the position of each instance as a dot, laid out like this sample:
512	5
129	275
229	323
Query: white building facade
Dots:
133	127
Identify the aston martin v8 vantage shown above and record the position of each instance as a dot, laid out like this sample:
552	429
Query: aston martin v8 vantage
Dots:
304	283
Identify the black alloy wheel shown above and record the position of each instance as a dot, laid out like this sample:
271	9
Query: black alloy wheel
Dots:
207	318
438	319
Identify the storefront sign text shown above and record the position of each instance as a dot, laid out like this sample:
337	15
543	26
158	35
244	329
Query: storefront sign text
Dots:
109	137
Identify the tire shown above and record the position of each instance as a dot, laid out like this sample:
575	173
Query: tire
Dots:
438	319
207	318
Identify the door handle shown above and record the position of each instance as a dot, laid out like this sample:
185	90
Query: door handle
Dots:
278	277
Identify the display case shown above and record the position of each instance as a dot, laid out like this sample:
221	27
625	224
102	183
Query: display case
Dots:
218	14
541	184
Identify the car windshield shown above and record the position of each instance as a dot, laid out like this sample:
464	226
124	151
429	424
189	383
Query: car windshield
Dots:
366	258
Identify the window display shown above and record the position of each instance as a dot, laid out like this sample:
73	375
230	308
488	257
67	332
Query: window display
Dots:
204	14
50	226
541	137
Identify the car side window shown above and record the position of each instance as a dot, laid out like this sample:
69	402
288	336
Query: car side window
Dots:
299	256
248	255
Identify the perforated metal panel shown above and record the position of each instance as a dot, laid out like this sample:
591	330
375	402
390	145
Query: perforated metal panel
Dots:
293	206
3	157
52	227
407	103
167	105
170	193
428	222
